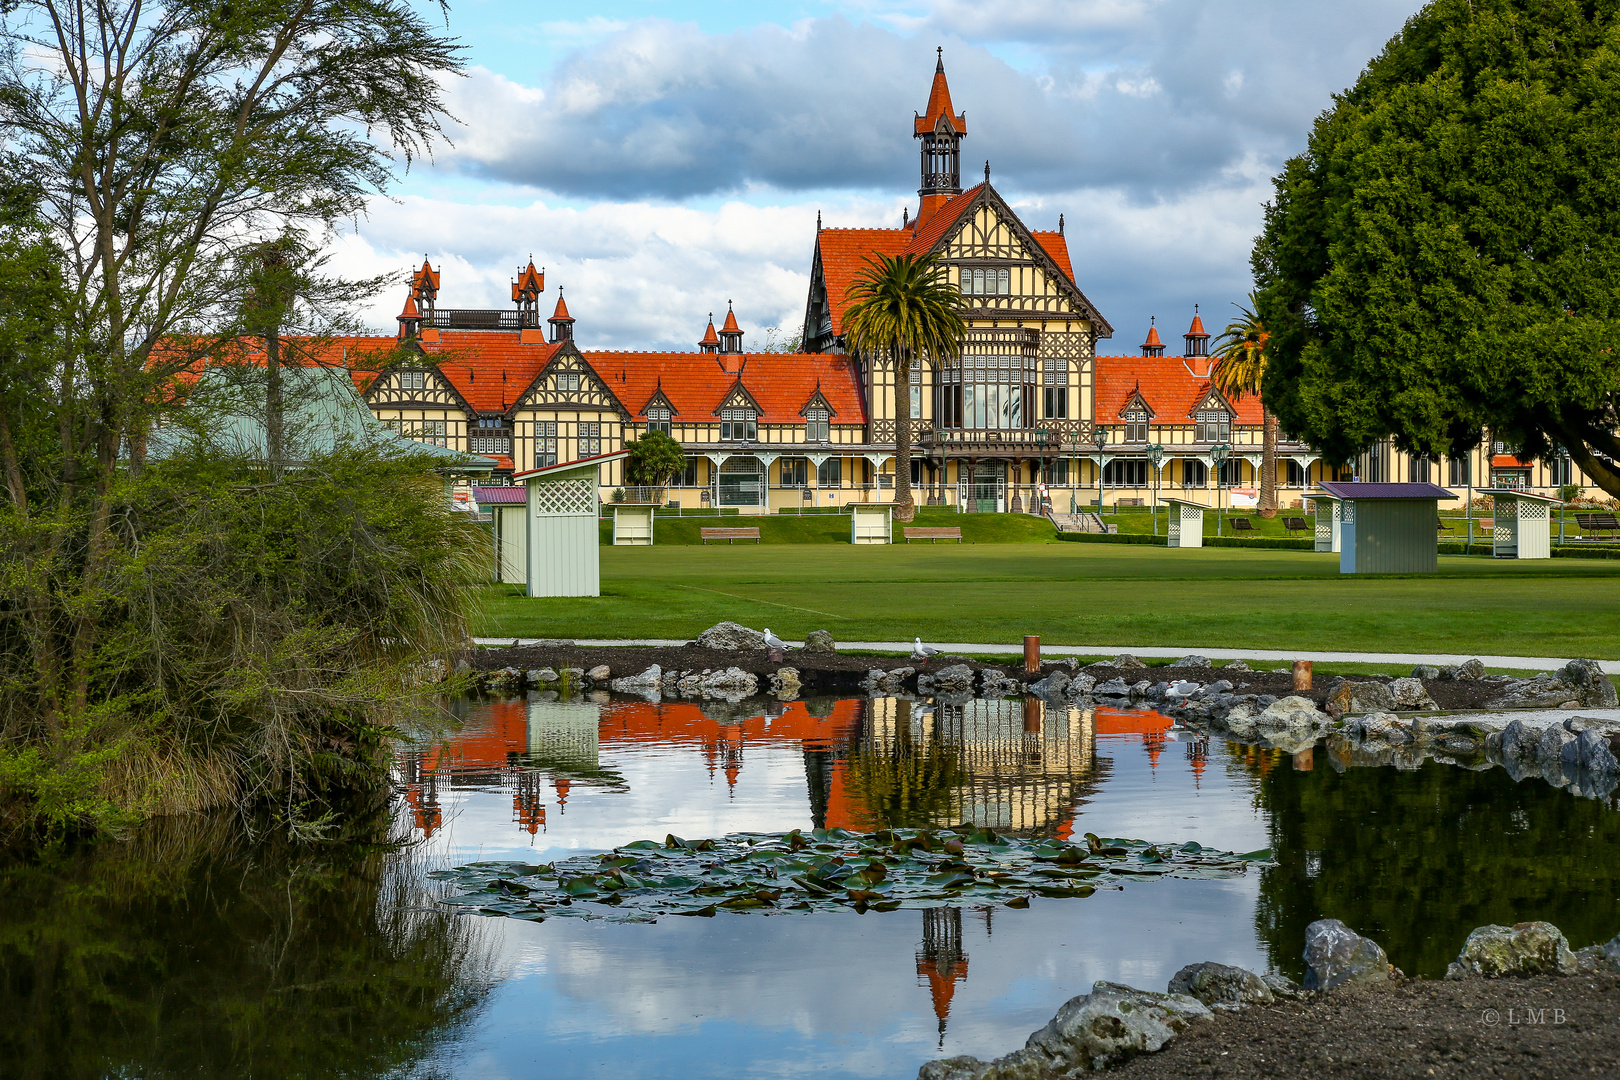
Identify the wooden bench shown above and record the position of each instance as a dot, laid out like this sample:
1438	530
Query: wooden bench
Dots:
934	535
730	535
1596	523
1240	525
1127	502
1296	525
1441	526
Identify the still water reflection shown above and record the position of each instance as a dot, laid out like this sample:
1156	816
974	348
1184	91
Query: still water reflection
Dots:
193	952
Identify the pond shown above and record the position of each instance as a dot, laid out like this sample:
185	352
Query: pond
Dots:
191	950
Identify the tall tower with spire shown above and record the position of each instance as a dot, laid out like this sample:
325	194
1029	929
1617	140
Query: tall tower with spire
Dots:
941	130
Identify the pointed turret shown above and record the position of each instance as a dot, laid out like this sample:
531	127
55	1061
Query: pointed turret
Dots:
562	323
526	292
941	130
710	343
731	334
410	318
425	288
1197	338
1153	346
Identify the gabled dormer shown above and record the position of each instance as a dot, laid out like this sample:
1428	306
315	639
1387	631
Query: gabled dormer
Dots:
660	412
818	413
1136	416
567	381
413	380
739	414
1213	417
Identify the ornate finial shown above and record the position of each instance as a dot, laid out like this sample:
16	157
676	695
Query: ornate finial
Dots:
987	170
1195	309
1153	320
818	221
939	65
1060	224
905	216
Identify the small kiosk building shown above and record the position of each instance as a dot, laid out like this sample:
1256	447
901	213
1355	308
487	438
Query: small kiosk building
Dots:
562	546
508	512
1523	527
871	523
1185	523
1387	528
1327	522
633	524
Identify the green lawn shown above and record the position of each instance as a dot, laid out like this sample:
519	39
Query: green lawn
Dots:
1084	594
834	528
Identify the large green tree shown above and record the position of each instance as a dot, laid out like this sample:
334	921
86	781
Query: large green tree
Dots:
904	310
1444	258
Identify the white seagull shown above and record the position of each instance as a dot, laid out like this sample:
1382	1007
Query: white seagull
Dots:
919	651
774	642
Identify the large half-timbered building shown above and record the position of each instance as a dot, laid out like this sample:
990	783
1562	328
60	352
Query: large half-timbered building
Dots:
1030	401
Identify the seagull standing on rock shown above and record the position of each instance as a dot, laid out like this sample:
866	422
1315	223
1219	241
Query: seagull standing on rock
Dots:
922	652
772	641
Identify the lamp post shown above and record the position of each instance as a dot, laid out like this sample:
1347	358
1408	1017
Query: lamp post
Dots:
1099	436
1156	458
1218	455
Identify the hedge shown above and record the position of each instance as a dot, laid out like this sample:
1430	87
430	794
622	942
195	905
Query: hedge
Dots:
1112	538
1209	541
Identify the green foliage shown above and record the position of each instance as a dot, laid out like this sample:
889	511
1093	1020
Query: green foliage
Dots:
903	310
1445	256
1570	492
655	459
790	528
254	640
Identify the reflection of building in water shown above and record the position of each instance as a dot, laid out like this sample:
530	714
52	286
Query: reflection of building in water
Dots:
942	962
1017	766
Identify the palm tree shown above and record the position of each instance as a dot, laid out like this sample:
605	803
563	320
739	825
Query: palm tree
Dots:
905	309
1240	368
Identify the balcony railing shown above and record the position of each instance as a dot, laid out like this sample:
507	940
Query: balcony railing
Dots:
992	438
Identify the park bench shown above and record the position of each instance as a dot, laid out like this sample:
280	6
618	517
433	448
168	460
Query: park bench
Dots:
1595	523
933	535
1242	525
1127	502
731	535
1441	526
1296	525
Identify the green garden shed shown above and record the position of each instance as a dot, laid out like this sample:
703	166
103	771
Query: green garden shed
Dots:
1387	528
561	540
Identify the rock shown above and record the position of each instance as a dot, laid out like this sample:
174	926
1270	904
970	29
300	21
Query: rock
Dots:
1425	671
1125	662
1577	724
731	683
1336	955
1381	728
1529	948
507	680
1191	660
599	673
1115	687
573	674
1080	686
553	643
433	671
541	676
1470	669
1294	714
785	682
1550	749
1587	678
648	680
993	682
730	635
1140	689
956	679
1591	750
1094	1031
1409	694
879	681
1518	741
820	641
462	667
1240	721
1282	986
1236	665
1360	697
1221	986
1051	686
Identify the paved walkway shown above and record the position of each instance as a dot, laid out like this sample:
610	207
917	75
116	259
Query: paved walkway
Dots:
1527	663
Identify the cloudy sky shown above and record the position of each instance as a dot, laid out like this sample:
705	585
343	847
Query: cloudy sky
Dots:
660	158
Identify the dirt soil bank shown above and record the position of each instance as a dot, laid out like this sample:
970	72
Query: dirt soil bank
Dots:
1511	1028
827	672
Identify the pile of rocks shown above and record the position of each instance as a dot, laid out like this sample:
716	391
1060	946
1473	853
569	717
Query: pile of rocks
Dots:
1114	1022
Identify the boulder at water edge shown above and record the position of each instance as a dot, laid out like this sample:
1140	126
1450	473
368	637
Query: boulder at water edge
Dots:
1529	948
820	641
1409	694
1595	688
1093	1031
1591	750
1051	686
1294	715
640	684
730	635
1221	986
1336	955
1360	697
956	679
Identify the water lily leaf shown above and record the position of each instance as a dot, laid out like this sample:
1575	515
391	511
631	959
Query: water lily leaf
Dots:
1018	902
1263	855
742	902
706	912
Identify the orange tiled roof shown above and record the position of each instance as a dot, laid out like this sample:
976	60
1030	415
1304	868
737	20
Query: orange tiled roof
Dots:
1153	341
489	370
709	337
1197	327
1058	248
696	383
1171	385
939	104
843	254
561	314
1508	461
925	234
731	326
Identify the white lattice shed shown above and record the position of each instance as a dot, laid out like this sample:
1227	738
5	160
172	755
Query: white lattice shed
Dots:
563	547
1523	524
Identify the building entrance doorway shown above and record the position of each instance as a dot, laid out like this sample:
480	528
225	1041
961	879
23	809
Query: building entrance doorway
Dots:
742	482
985	489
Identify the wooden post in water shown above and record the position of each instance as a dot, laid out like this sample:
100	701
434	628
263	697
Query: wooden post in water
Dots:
1302	674
1032	716
1032	653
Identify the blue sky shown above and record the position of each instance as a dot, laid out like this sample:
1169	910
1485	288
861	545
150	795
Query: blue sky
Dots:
662	158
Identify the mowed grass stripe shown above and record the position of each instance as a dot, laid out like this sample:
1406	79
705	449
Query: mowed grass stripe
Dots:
1218	598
